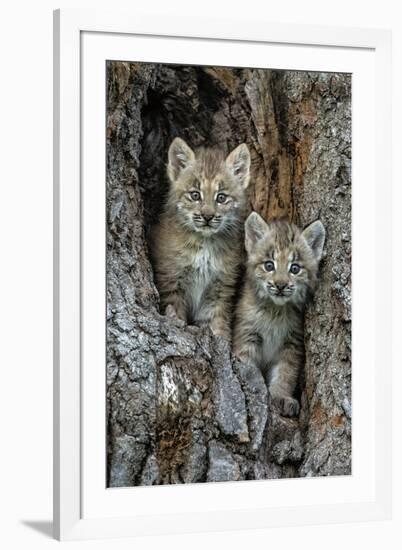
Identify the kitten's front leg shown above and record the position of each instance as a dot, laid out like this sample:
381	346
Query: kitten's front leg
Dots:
174	306
220	321
217	320
283	380
247	344
217	309
172	297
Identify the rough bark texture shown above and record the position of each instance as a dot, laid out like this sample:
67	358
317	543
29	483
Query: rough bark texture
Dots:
180	408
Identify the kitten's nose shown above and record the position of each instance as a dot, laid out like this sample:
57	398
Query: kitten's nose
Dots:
208	217
281	286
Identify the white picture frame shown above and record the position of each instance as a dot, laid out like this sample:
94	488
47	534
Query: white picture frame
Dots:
83	507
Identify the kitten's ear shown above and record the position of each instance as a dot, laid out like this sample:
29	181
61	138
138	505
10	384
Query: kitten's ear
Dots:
315	237
238	163
255	229
180	156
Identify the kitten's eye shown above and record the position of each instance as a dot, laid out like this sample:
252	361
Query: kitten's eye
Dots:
195	195
295	269
221	198
269	266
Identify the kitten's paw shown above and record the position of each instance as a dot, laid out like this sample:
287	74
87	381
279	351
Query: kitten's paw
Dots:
170	311
288	406
221	332
220	328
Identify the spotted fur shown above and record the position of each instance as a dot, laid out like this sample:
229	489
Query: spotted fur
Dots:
270	313
197	245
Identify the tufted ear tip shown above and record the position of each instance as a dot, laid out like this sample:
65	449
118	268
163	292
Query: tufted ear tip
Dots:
180	155
255	228
238	162
315	238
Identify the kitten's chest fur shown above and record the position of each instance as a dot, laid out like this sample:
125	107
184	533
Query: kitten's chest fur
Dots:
274	331
277	328
202	268
205	263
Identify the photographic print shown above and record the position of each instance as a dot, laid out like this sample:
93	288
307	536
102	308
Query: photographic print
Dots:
228	269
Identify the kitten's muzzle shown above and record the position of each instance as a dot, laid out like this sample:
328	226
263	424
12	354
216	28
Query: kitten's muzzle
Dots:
281	290
206	223
281	286
207	218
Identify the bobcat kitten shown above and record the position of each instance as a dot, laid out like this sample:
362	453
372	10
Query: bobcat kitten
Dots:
197	245
281	274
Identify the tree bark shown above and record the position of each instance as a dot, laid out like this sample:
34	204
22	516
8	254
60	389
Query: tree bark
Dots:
181	409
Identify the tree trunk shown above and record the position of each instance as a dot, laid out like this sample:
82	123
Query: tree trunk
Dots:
180	408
